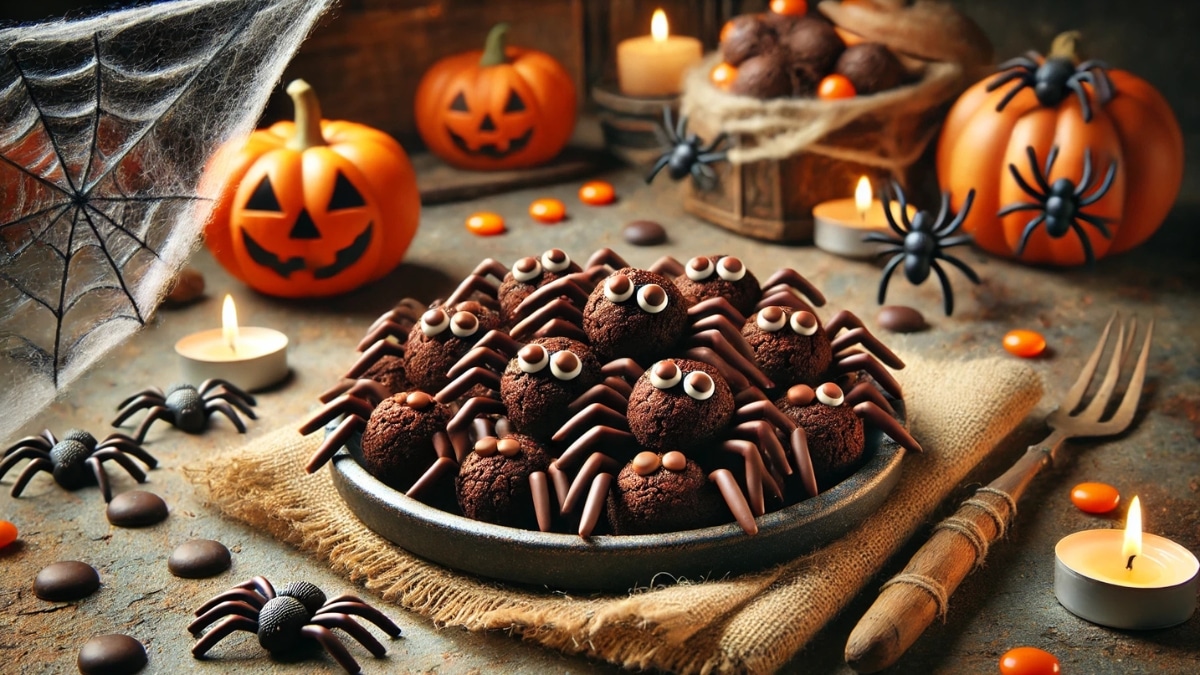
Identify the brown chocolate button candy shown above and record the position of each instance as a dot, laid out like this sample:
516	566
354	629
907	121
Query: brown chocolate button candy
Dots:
66	580
486	446
901	319
645	463
111	655
644	233
509	447
136	508
800	395
418	400
199	558
526	264
674	461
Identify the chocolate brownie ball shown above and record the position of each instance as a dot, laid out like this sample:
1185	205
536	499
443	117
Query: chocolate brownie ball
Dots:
493	483
397	444
543	378
679	404
745	36
663	493
764	76
529	274
789	345
870	67
812	47
389	371
835	433
441	338
719	276
634	313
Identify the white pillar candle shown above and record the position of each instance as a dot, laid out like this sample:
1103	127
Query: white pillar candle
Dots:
839	225
654	65
250	357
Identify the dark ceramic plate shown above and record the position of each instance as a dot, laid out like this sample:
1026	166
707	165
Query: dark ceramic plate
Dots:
617	563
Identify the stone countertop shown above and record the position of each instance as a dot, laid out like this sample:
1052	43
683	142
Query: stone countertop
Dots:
1008	603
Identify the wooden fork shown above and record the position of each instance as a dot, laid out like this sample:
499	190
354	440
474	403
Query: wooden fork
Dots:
911	600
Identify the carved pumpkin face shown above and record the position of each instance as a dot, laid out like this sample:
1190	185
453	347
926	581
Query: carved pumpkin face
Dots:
491	120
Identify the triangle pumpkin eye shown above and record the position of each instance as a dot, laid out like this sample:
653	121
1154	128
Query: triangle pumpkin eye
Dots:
459	103
263	197
515	104
345	195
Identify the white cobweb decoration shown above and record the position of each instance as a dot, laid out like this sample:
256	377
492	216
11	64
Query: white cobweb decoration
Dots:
106	127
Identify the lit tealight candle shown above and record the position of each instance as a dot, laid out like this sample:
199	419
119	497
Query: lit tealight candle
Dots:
839	225
653	65
249	357
1127	580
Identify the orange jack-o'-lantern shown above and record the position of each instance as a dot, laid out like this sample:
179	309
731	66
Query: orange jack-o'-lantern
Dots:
315	208
500	108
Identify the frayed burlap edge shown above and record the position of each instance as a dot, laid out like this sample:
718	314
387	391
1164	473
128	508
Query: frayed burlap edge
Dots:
751	623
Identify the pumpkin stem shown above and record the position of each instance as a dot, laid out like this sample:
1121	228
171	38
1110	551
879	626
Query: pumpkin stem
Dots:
1066	46
493	49
308	116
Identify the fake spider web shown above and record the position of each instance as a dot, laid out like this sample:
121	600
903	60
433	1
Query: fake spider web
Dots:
106	127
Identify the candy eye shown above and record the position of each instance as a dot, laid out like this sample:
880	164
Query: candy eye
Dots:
566	365
526	269
665	374
699	268
508	447
618	288
830	394
464	324
652	298
800	395
434	321
730	269
699	385
555	260
532	358
803	323
674	461
771	319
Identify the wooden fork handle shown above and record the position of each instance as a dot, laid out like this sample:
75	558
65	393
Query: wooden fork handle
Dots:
911	600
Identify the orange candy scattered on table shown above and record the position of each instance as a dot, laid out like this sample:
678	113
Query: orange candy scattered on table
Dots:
485	224
835	86
8	533
1024	343
1095	497
722	75
790	7
548	210
597	193
1028	661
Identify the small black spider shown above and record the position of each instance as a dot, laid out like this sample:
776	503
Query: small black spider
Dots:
75	461
294	618
922	242
187	407
687	153
1061	203
1053	79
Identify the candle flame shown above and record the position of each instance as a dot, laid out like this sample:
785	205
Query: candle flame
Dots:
862	197
658	25
229	324
1133	530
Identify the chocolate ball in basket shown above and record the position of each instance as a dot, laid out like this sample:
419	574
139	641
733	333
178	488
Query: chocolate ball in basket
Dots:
870	67
397	444
493	483
664	492
836	439
764	76
812	47
746	36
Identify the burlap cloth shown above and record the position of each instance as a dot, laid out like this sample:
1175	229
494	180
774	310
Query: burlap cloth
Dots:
751	623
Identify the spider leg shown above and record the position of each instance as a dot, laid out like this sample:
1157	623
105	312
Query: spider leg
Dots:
244	595
704	174
335	441
891	250
951	242
353	628
1023	64
887	276
122	459
38	464
769	443
1012	93
732	332
224	408
148	391
960	265
19	453
569	315
887	213
569	285
1077	87
715	341
226	626
372	355
49	436
467	381
681	129
1028	232
213	382
94	463
473	283
1085	181
594	506
1005	77
442	467
259	584
792	281
129	448
734	499
862	337
1103	189
227	608
943	209
596	465
667	266
1050	160
333	645
947	290
1097	222
1026	187
1020	206
711	148
1088	255
605	257
232	399
658	166
562	483
540	493
804	467
903	201
865	391
883	239
382	331
756	473
342	405
36	442
888	424
158	412
127	410
959	217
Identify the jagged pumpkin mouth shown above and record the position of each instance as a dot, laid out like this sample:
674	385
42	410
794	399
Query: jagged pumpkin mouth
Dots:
490	149
343	259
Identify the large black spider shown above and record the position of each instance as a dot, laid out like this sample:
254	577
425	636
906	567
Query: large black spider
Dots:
1061	203
687	153
289	620
1053	79
75	461
922	242
187	407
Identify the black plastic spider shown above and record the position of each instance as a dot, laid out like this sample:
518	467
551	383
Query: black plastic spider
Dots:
1053	79
187	407
1061	203
289	620
687	153
922	242
75	461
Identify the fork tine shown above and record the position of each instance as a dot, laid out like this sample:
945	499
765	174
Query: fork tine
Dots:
1095	409
1130	339
1133	391
1075	394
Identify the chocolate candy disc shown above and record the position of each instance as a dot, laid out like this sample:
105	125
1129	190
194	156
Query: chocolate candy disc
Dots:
136	508
199	558
111	655
900	319
644	233
66	580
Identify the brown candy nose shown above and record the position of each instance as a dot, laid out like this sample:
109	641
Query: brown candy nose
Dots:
645	463
800	395
418	400
674	461
509	447
486	446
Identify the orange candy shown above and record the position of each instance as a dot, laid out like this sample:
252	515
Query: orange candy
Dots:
548	210
1024	343
597	193
485	224
722	75
790	7
1028	661
8	533
835	86
1095	497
